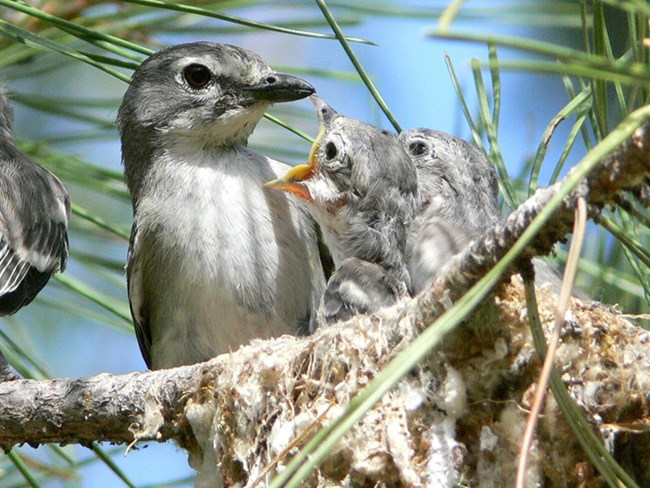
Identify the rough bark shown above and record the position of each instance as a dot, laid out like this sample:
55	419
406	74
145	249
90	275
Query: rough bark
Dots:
113	408
457	418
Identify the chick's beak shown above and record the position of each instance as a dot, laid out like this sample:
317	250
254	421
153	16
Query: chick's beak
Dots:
324	112
294	179
293	182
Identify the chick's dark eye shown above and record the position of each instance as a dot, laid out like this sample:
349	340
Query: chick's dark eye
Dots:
330	151
417	148
197	75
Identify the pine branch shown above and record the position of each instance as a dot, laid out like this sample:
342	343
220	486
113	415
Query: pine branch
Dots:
112	408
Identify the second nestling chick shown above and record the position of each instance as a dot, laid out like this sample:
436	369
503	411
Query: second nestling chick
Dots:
361	186
459	188
460	199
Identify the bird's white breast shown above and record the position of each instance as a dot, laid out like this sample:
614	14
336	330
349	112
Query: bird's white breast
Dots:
223	251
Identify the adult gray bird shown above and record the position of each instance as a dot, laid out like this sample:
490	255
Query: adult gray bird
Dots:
460	198
361	187
34	214
214	260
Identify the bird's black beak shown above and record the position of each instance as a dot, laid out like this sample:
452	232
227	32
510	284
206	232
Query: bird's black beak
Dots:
278	87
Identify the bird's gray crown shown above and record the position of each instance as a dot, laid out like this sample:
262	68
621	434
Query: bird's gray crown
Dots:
454	176
432	149
364	152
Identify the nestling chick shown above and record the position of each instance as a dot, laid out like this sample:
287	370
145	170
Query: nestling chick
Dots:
460	198
459	188
361	187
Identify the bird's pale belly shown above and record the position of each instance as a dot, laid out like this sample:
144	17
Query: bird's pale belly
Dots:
222	280
200	322
210	309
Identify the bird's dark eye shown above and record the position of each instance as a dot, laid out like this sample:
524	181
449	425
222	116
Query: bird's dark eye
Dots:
197	75
330	151
417	148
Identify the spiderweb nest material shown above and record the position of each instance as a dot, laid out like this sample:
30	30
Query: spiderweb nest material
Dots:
458	417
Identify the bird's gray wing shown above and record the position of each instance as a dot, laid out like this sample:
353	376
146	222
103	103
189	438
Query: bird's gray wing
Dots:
431	246
34	213
19	282
136	296
358	287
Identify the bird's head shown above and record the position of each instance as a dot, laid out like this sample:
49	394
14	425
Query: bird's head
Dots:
348	160
207	93
360	185
454	176
313	181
